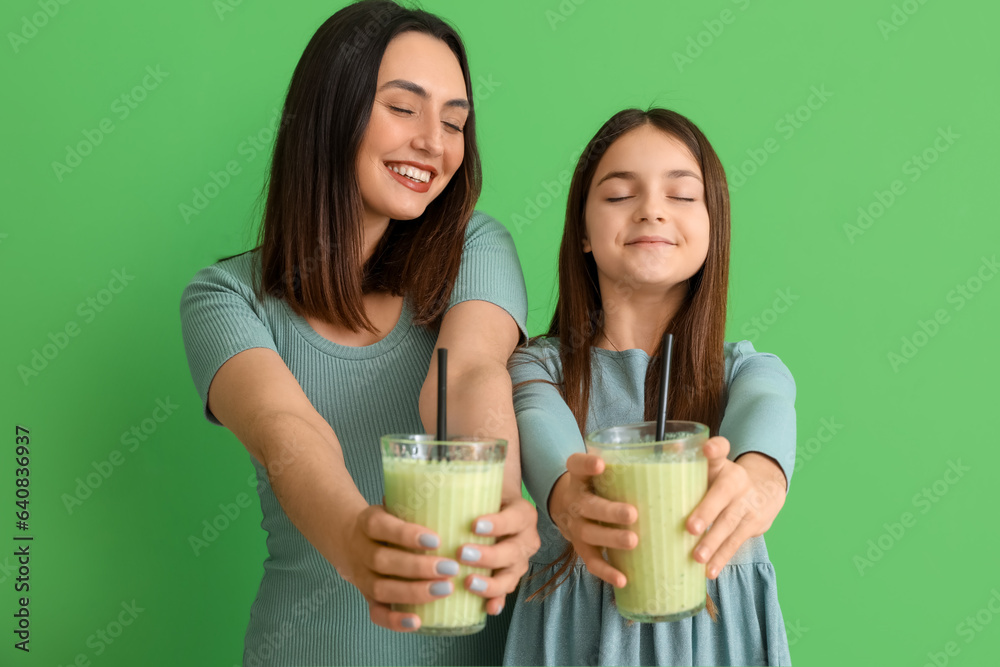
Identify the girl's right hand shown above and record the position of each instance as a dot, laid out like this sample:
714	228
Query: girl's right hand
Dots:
577	510
377	565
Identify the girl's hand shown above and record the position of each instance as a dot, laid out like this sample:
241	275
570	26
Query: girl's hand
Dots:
515	524
577	511
742	501
378	566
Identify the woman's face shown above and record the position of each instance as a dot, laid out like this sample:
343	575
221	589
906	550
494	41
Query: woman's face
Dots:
646	220
414	142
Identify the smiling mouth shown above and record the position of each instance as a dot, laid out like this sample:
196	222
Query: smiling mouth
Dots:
651	240
410	172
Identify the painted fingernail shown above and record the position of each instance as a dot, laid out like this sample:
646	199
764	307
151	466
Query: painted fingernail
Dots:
478	585
439	588
409	623
429	541
499	610
484	527
447	567
471	554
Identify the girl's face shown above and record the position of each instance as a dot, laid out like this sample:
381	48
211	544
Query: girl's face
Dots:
414	142
646	220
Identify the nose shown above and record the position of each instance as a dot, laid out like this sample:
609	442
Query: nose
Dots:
430	137
651	208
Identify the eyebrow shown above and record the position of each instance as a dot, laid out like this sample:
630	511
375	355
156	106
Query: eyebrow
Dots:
632	176
419	90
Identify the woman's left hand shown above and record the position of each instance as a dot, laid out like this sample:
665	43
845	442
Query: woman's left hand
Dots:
514	526
742	501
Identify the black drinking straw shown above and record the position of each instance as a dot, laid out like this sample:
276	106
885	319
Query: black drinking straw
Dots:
442	430
666	352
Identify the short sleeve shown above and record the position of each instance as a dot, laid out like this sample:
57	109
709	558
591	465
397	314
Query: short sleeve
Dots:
220	317
490	270
760	408
546	426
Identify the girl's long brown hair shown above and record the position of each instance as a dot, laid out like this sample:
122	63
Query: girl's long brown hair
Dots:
312	235
697	384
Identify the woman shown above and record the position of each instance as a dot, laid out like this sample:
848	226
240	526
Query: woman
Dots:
645	252
319	341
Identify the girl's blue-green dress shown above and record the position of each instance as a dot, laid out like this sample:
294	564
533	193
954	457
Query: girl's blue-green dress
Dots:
578	623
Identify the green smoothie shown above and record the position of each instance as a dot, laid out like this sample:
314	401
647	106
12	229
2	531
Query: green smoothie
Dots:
446	497
665	481
664	581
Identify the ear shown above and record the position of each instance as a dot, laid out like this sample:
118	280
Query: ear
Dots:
586	245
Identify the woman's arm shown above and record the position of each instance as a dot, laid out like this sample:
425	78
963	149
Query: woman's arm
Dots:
256	397
480	337
246	386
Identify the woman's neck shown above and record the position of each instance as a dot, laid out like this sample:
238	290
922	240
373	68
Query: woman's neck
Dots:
635	319
374	229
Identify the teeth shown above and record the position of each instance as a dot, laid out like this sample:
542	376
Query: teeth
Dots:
413	173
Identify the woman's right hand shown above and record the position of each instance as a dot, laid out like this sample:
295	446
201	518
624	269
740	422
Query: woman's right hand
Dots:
376	563
577	511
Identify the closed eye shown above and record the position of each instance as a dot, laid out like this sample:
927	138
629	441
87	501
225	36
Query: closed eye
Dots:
399	110
453	127
612	199
683	198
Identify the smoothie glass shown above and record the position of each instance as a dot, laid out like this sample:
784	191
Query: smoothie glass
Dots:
445	486
665	480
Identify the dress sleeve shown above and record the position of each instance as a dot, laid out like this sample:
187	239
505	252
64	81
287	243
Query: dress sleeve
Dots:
220	317
490	270
546	426
760	410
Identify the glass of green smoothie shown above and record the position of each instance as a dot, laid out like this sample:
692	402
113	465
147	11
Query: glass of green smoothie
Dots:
444	485
665	480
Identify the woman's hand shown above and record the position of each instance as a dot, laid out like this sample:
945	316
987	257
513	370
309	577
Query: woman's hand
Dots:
376	564
577	510
742	501
515	525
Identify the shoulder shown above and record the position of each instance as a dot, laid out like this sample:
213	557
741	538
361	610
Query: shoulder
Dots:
491	271
541	348
539	358
226	288
236	273
484	229
743	361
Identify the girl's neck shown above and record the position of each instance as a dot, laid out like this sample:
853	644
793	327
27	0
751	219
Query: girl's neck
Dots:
636	319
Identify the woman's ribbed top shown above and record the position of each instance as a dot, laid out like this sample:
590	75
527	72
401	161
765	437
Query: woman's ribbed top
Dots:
304	613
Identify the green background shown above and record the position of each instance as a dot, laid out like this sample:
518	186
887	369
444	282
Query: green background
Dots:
550	73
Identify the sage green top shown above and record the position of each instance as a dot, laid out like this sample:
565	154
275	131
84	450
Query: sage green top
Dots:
304	613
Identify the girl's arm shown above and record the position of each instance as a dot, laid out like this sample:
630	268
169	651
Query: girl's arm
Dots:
556	471
760	410
745	496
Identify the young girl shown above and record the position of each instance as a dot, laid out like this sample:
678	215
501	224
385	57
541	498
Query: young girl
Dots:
317	343
645	252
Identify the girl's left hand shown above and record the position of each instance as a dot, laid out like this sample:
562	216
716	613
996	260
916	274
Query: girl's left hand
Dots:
742	501
514	526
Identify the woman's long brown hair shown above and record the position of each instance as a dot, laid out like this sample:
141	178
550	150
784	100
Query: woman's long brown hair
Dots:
697	384
312	235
